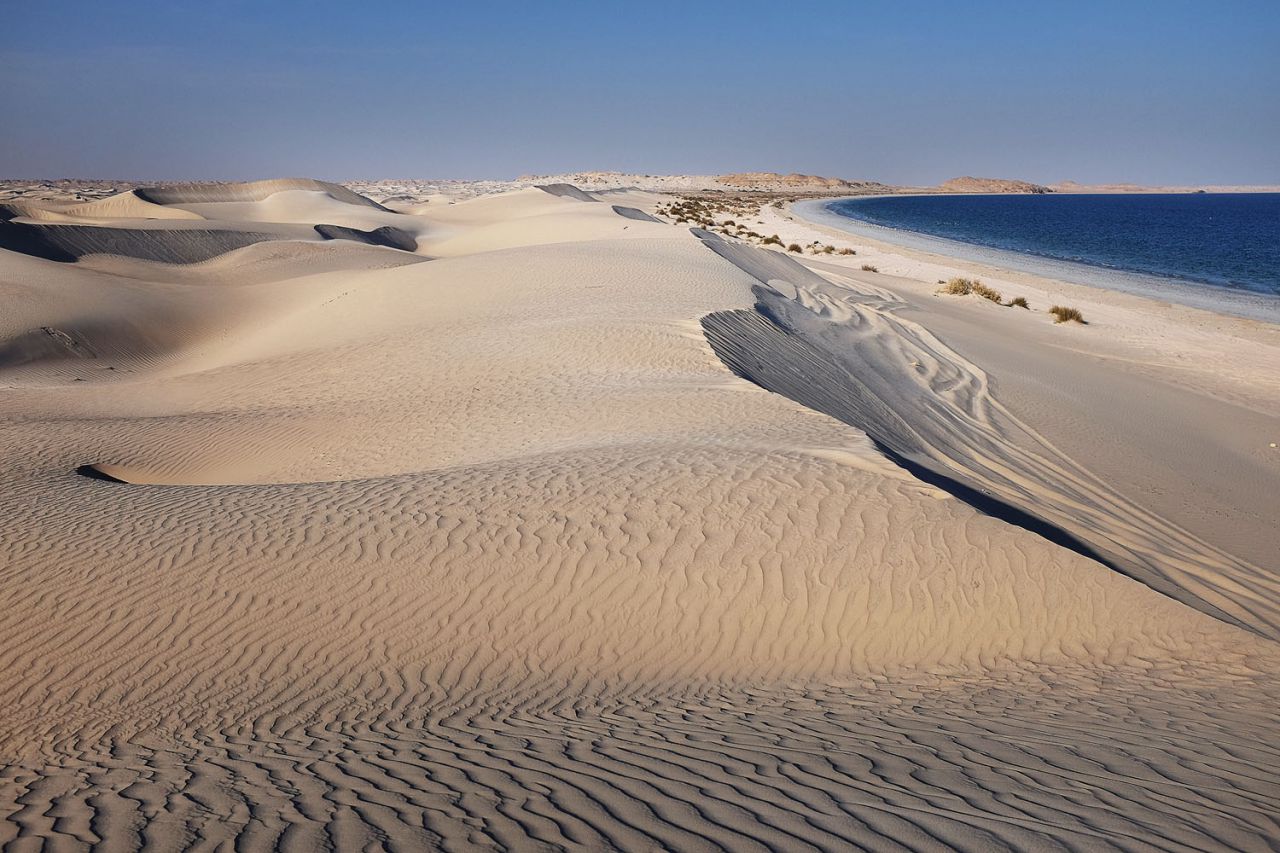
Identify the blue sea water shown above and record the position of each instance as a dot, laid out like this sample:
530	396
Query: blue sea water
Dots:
1218	239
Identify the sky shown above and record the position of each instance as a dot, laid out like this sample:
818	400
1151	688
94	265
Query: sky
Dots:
906	92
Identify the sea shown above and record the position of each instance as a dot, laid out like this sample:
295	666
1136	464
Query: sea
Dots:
1207	249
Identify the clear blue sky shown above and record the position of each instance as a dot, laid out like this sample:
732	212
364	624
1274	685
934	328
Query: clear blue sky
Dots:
909	91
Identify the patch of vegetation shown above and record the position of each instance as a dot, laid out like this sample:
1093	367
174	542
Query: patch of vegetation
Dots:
1062	314
794	247
774	240
985	292
848	252
968	286
869	268
1020	302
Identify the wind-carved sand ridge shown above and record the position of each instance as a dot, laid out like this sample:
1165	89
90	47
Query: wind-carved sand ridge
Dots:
928	407
484	547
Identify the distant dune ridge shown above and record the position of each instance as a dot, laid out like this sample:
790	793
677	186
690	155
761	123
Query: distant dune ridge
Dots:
532	520
387	235
179	194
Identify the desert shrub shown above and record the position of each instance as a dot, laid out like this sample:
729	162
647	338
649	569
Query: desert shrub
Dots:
773	240
958	287
1019	301
987	292
753	235
794	247
828	250
848	252
729	222
1062	314
869	268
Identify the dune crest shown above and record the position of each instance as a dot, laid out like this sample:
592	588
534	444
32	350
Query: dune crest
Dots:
930	408
179	194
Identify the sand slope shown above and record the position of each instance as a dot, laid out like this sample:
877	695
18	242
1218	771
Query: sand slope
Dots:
493	551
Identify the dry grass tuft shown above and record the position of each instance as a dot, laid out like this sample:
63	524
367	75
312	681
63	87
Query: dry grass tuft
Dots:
869	268
848	252
774	240
794	247
1062	314
1019	301
987	292
967	286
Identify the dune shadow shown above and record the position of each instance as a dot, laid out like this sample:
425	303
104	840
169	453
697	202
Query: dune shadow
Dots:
95	473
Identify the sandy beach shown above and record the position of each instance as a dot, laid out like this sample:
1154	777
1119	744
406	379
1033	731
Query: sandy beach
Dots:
469	516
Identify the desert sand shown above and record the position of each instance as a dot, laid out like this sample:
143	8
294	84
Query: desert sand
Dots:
533	519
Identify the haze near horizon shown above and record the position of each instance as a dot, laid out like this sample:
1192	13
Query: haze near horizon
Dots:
907	93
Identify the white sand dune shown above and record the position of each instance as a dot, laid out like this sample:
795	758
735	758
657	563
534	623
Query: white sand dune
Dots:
72	242
128	205
301	206
184	194
493	551
929	408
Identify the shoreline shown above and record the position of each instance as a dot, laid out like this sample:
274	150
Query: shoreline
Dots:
1206	297
1205	376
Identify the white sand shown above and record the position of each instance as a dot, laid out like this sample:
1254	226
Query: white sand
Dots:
486	547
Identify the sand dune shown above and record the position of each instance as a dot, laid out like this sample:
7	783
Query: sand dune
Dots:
633	213
128	205
567	191
68	243
182	194
929	408
386	235
109	318
495	550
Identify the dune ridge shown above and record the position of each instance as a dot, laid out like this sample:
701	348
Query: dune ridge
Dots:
69	243
179	194
924	403
386	235
128	205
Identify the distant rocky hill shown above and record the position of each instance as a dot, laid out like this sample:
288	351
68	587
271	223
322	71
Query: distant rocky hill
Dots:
775	182
990	185
1076	187
772	182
